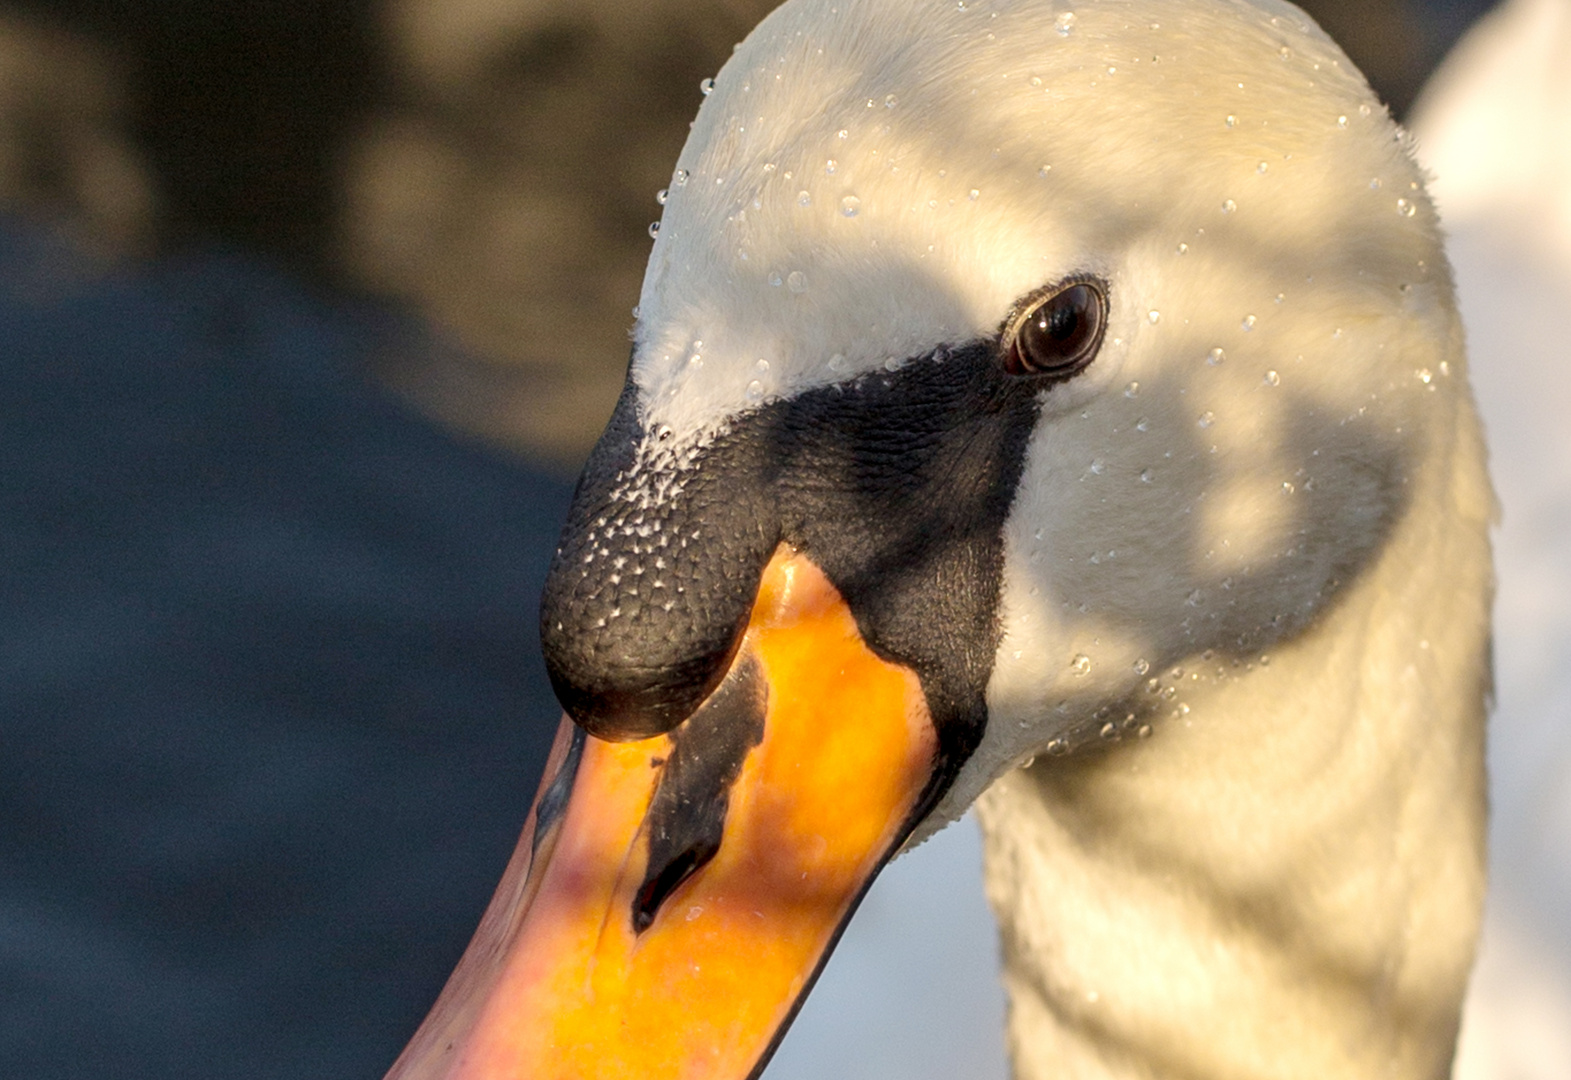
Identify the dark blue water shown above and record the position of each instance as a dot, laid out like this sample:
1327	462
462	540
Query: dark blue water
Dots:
271	703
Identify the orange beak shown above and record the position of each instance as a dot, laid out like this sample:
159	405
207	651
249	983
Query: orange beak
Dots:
672	900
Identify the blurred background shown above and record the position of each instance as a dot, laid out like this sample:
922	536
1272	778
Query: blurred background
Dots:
308	313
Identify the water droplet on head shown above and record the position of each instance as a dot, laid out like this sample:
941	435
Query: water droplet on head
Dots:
1065	23
1144	732
680	177
973	194
1228	206
1406	208
1132	390
775	279
1146	476
1425	376
1273	379
830	166
890	101
1142	666
706	87
1058	747
891	364
1285	53
1110	731
1287	487
1183	249
654	228
662	195
1231	121
1142	424
850	205
1364	110
1206	419
1262	167
796	281
1035	80
762	365
1154	316
755	390
837	362
1098	467
1081	664
1215	357
1249	323
804	198
843	133
1341	121
1374	185
1044	170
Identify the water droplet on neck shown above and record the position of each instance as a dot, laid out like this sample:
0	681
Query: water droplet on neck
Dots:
837	363
1058	747
680	177
1065	23
1183	249
1285	53
796	281
1231	120
1249	323
706	87
1132	390
775	279
1215	357
1154	316
654	228
1142	666
1273	379
1406	208
890	101
804	198
1044	170
1206	419
850	206
662	195
1341	121
1228	206
973	194
755	390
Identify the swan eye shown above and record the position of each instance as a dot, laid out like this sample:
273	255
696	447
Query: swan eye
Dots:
1060	335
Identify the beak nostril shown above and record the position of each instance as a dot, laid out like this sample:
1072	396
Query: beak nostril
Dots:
656	889
686	819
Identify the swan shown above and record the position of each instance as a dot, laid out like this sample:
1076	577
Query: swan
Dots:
1061	409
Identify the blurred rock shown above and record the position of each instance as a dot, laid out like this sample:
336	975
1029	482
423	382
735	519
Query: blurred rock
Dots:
506	190
66	153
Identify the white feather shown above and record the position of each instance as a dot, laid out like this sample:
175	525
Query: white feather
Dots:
1256	528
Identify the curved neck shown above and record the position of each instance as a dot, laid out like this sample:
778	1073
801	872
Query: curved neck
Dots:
1286	881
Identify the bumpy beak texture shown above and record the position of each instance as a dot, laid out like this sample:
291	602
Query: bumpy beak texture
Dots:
672	899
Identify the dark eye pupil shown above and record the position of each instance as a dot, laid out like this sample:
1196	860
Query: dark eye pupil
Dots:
1061	336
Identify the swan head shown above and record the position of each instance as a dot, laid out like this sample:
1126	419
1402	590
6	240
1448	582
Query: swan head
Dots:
1023	350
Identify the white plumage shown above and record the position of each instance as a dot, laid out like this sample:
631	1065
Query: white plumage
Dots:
1247	573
